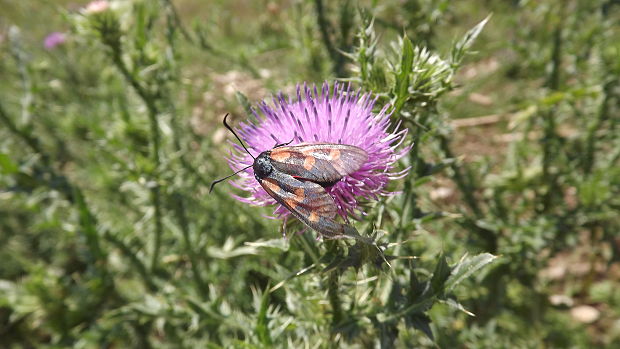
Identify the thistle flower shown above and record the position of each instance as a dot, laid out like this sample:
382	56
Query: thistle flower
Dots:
96	6
54	39
343	117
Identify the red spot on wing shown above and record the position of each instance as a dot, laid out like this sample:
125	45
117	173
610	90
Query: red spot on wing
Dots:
309	162
298	198
271	185
314	217
280	155
334	154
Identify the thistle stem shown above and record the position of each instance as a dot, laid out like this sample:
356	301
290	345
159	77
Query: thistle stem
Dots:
325	28
181	215
550	138
333	292
152	111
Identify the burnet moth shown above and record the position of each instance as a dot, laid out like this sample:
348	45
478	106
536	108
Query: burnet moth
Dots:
296	177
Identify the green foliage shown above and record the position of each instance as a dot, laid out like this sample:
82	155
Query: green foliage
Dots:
110	140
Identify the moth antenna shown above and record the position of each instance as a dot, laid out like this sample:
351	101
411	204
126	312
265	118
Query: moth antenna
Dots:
225	178
239	139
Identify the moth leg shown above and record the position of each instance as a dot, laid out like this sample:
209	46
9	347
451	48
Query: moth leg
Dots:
283	144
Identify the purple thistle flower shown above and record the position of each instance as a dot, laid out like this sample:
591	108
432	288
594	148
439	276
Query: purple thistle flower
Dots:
344	117
54	39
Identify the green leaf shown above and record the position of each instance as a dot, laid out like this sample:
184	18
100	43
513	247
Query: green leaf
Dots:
406	67
7	166
89	225
245	102
416	308
460	48
456	305
229	250
402	79
440	275
279	243
466	267
430	216
421	181
262	322
301	272
421	322
431	169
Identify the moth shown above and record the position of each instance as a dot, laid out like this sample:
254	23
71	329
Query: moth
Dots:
297	176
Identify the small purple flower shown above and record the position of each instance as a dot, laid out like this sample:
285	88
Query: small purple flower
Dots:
54	39
344	117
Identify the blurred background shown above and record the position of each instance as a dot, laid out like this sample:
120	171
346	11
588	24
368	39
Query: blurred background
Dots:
505	233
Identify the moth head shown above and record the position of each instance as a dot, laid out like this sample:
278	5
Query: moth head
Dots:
262	166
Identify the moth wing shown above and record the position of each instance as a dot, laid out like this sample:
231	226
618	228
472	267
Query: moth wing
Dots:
307	201
323	163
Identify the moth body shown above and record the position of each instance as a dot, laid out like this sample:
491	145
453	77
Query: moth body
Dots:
296	177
